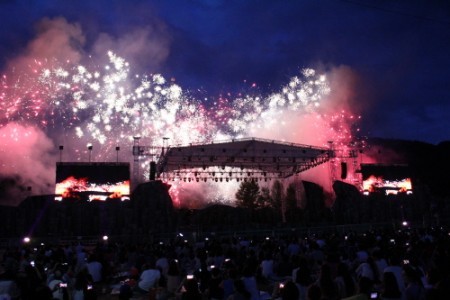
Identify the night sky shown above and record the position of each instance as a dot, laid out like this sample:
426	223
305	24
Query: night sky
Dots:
398	51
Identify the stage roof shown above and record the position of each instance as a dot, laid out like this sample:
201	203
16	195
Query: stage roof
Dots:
235	157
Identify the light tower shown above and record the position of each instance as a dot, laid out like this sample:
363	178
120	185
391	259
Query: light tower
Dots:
89	146
136	155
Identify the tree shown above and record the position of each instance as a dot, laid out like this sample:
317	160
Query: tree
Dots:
247	194
264	199
291	197
293	211
277	194
278	198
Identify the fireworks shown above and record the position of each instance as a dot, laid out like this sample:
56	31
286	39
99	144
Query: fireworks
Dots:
109	105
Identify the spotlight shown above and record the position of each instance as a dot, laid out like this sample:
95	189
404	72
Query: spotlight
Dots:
89	146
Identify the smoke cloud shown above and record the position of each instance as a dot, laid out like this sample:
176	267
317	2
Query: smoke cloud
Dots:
27	163
28	148
148	46
59	41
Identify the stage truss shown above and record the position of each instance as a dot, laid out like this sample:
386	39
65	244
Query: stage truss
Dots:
238	159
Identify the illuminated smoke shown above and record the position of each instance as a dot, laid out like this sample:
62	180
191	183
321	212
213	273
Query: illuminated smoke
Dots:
69	98
26	160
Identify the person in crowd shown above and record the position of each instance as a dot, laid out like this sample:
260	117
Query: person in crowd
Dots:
314	292
414	289
8	285
249	280
365	289
327	284
289	291
174	276
94	268
389	287
267	266
58	287
303	278
240	292
344	281
190	290
214	290
230	276
83	288
380	264
149	278
394	266
162	263
366	269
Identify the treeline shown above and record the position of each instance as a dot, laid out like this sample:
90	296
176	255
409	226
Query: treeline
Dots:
304	203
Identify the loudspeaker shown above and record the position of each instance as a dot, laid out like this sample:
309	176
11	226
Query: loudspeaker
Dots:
343	170
152	170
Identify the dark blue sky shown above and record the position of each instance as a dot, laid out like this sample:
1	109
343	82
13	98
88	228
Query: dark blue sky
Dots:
399	50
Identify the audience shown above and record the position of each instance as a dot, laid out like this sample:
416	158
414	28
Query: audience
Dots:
317	266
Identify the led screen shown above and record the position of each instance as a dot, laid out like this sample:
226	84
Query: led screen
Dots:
92	181
388	179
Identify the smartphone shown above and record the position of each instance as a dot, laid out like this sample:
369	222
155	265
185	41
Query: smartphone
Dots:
281	285
89	287
63	285
374	295
190	276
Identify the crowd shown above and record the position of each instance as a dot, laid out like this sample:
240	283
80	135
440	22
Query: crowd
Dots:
406	264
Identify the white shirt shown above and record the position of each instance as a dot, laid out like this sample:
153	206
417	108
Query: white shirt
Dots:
267	268
95	269
149	278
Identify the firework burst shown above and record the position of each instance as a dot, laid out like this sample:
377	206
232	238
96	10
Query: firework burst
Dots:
110	105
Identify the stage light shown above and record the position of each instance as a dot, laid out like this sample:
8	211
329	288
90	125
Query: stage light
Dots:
61	148
89	146
117	150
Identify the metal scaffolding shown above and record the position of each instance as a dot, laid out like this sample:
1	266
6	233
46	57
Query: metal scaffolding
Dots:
239	159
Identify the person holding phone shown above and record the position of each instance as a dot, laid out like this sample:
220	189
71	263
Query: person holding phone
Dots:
57	286
365	290
190	290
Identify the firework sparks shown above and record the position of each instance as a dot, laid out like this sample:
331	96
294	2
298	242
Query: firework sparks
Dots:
109	105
